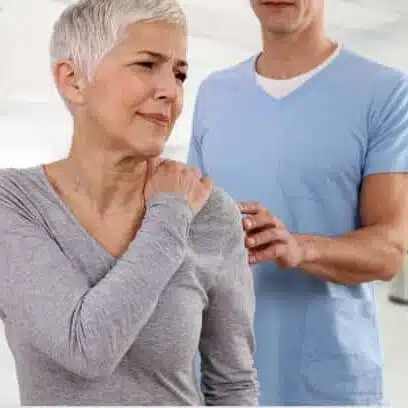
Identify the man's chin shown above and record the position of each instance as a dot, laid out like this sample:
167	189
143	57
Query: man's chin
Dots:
282	30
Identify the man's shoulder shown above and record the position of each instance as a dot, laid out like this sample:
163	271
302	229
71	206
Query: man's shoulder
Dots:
374	72
228	76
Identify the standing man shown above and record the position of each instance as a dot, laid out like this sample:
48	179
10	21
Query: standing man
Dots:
312	140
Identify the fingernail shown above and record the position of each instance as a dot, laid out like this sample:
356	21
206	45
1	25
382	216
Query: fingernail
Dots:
248	223
251	241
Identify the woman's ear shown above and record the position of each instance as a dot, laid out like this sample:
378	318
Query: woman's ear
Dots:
69	82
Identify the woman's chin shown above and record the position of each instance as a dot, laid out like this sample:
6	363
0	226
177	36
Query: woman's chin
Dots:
151	147
153	150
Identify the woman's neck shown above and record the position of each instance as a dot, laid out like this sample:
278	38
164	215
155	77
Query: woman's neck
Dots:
108	183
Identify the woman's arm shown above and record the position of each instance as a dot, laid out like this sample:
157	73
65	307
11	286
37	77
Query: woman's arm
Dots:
50	303
228	376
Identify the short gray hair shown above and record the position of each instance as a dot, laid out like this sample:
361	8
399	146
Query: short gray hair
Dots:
87	30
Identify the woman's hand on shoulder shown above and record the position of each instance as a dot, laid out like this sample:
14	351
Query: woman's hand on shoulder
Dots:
169	176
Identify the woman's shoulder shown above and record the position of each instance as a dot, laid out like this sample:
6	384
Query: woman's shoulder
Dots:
10	184
220	212
20	190
16	181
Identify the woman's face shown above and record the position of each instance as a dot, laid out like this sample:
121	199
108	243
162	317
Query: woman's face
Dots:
137	91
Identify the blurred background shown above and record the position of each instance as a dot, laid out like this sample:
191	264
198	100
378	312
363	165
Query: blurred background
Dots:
35	128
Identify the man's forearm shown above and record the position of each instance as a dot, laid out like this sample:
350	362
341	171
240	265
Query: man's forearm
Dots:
371	253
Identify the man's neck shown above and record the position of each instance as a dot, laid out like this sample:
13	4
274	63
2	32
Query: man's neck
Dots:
292	55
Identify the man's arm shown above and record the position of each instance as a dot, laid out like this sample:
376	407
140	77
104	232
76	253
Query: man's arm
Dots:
374	252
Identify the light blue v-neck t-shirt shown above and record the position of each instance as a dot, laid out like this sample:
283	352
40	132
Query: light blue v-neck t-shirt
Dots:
304	156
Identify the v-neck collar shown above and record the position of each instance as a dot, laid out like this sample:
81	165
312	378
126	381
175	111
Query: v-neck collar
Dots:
251	77
67	210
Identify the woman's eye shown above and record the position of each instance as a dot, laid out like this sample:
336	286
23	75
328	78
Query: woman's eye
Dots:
146	64
181	76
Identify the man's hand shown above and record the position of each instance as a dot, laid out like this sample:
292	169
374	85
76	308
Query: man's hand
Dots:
268	239
374	252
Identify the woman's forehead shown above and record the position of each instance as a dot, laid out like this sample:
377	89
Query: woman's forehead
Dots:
153	36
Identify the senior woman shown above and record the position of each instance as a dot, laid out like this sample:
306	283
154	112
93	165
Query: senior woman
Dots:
117	267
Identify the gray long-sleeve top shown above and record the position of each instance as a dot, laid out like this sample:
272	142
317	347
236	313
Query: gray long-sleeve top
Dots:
86	328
